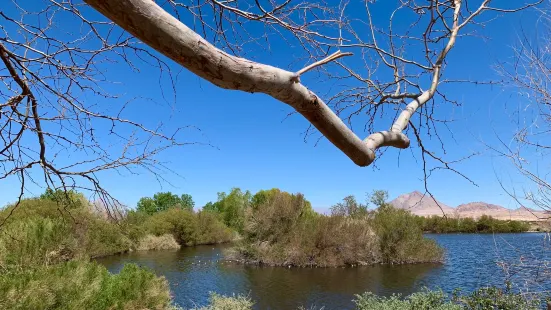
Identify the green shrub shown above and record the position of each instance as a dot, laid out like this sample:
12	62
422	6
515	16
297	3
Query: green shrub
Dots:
164	201
218	302
101	237
83	285
187	227
40	231
36	241
427	300
211	229
163	242
485	224
182	224
495	298
280	229
401	238
232	208
483	299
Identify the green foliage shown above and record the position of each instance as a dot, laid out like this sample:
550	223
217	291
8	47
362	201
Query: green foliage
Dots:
82	285
69	198
211	229
379	198
40	232
482	299
218	302
232	208
494	298
281	229
485	224
349	207
180	223
401	238
427	300
36	241
45	245
188	228
276	218
147	205
163	201
187	202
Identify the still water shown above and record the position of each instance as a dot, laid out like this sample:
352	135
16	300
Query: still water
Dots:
472	261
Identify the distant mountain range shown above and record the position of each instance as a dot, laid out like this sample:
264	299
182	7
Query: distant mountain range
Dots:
424	205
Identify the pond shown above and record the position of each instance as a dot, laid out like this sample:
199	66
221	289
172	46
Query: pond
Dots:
472	261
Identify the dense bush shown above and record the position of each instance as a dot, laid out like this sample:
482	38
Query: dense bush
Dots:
495	298
45	248
82	285
484	224
164	201
231	207
482	299
428	300
188	228
401	238
281	229
43	231
36	241
162	242
211	229
219	302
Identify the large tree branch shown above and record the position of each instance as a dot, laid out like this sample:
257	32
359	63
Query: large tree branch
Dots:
150	23
160	30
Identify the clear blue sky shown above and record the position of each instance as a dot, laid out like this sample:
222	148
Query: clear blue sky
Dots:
256	147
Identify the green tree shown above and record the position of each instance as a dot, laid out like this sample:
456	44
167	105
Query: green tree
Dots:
231	207
349	207
212	207
147	205
163	201
379	198
166	200
69	198
187	202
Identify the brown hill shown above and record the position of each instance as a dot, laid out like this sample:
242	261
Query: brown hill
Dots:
420	204
424	205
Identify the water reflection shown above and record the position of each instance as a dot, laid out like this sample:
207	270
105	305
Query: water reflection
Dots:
330	287
471	262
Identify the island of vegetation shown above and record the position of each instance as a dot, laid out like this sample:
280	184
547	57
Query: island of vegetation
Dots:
47	243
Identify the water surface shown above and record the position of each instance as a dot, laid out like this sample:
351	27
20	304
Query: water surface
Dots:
472	261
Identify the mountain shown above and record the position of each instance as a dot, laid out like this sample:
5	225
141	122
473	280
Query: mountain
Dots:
479	207
420	204
424	205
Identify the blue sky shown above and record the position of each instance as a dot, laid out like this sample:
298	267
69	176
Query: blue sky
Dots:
254	146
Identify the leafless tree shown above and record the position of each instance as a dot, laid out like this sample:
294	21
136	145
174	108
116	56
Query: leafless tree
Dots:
530	147
54	78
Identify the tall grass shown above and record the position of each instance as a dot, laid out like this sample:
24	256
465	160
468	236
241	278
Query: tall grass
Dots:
82	285
45	252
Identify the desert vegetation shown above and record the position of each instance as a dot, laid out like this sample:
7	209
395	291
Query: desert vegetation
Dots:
484	224
45	260
282	229
483	298
47	245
